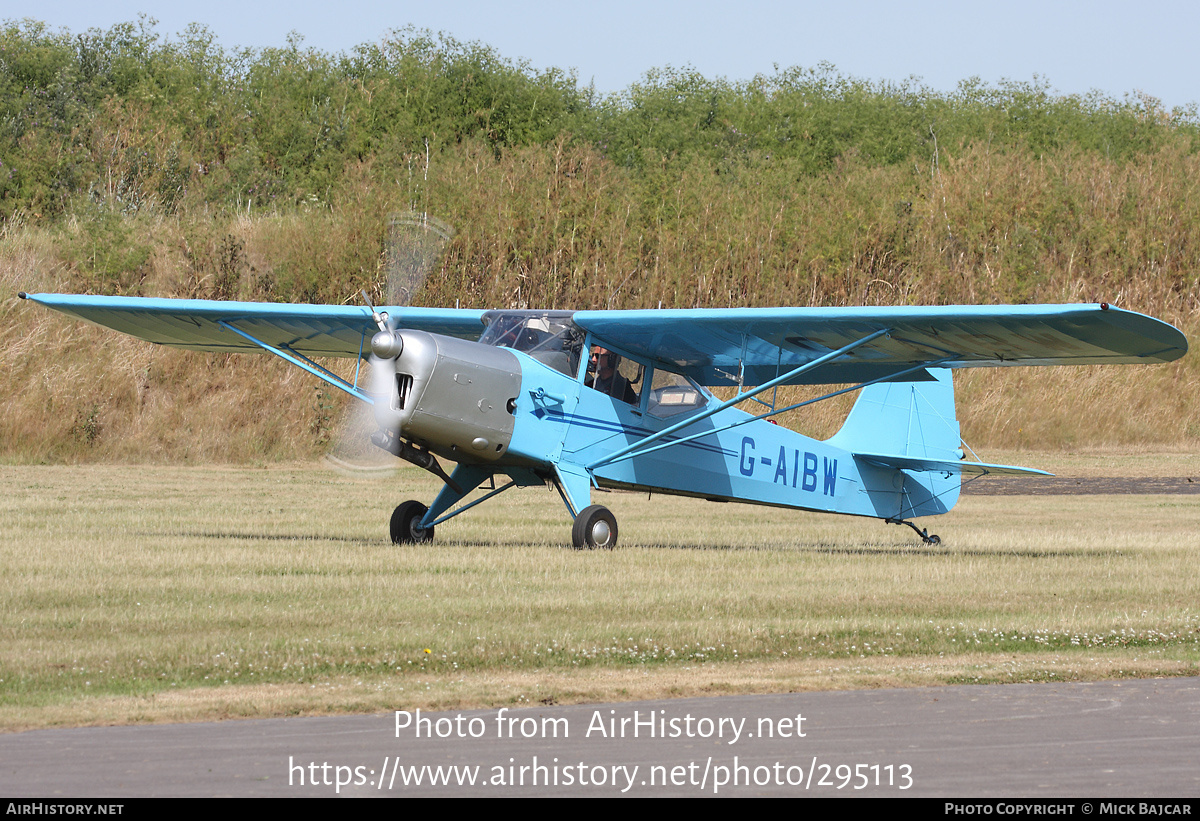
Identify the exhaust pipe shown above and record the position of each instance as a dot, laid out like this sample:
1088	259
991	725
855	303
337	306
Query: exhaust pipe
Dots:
421	458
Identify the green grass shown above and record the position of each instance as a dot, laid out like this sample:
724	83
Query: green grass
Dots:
149	593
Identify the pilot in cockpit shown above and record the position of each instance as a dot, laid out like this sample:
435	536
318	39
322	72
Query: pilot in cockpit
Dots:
604	376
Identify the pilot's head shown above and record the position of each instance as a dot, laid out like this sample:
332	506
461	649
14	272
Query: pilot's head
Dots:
603	361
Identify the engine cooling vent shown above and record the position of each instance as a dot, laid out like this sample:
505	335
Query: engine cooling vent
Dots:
404	383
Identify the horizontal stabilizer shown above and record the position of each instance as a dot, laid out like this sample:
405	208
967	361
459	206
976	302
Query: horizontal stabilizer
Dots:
962	467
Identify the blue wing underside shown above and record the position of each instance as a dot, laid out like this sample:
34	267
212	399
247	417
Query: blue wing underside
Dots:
312	330
713	347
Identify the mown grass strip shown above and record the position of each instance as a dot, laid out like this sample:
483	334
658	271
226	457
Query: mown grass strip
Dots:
138	593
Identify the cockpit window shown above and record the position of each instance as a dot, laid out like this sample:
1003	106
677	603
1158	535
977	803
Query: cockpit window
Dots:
614	375
548	336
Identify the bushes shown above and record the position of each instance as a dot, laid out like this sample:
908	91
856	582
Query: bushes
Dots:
141	121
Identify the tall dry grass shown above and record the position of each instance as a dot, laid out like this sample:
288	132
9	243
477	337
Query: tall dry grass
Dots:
564	227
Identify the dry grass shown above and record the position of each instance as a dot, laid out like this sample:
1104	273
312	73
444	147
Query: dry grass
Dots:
152	594
71	392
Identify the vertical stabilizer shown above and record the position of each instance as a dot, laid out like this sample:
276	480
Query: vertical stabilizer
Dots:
893	421
913	419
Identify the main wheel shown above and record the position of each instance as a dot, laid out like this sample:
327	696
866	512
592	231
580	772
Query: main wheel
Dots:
406	524
594	527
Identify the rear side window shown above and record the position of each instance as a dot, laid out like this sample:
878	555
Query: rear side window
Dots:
672	394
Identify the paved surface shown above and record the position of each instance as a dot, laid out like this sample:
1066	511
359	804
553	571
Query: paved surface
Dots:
1066	486
1131	739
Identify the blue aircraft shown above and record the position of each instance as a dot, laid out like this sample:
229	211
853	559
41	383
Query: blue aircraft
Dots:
584	400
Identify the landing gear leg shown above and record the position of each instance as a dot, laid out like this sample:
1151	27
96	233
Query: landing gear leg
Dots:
922	532
594	527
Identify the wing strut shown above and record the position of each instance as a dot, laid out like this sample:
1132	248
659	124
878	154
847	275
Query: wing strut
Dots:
304	363
741	397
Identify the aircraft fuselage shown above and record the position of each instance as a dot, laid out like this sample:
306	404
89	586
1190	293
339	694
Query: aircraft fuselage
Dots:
499	411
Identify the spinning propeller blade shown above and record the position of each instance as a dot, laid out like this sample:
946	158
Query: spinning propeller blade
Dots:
414	249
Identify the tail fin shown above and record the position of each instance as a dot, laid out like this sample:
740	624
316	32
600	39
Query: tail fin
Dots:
907	426
914	419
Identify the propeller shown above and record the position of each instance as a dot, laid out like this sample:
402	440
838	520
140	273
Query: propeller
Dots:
415	244
414	248
386	345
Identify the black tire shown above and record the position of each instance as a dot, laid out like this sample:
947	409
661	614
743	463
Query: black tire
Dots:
406	524
934	540
595	527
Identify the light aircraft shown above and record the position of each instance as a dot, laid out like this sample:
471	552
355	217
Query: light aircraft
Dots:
584	400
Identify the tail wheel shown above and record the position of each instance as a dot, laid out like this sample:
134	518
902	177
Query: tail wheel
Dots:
595	527
406	524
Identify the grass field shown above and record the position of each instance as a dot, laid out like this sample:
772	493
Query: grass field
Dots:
181	593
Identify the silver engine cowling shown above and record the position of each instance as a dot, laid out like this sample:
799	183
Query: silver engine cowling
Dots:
449	395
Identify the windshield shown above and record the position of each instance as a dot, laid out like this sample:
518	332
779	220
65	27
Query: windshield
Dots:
548	336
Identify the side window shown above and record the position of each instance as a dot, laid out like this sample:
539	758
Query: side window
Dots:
614	375
672	394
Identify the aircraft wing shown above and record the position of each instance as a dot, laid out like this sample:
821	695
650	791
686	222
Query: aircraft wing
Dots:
312	330
710	345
